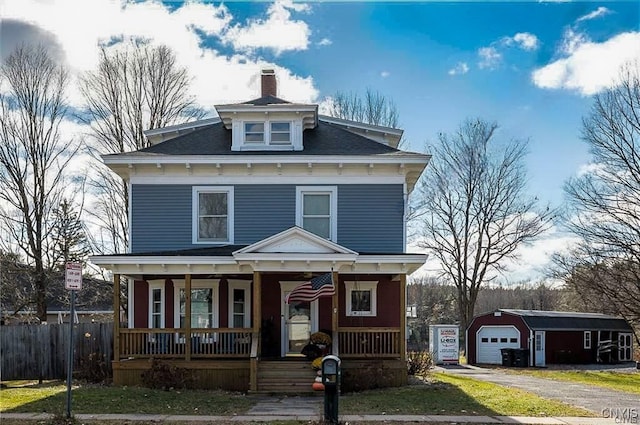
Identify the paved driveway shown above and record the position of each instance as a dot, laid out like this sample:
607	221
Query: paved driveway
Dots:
601	401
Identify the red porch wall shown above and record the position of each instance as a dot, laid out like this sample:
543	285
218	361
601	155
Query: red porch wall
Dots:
140	304
387	298
490	320
169	296
223	304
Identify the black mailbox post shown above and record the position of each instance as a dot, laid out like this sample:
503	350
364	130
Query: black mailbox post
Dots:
331	380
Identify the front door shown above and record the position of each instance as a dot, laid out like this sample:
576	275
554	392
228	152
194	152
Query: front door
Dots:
299	321
539	348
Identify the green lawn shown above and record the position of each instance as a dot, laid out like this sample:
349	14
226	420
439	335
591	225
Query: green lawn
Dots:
51	398
627	382
454	395
441	395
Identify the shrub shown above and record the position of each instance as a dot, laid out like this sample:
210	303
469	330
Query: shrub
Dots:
94	368
165	376
419	362
373	375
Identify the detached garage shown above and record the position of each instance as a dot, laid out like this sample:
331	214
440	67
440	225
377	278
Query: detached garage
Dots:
549	337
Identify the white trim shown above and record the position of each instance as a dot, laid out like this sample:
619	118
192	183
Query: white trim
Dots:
540	354
296	233
332	191
196	190
392	178
130	215
198	284
243	285
126	159
586	339
286	287
351	286
130	300
154	285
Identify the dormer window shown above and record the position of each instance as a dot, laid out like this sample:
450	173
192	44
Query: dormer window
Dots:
270	133
280	133
254	132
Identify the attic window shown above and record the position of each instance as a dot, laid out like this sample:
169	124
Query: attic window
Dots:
254	132
269	133
280	133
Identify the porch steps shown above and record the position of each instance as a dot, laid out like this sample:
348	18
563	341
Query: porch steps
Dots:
285	377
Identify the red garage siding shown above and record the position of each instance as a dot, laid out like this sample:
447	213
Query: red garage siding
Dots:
490	319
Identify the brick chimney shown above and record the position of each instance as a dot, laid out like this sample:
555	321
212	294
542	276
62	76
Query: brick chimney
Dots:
269	85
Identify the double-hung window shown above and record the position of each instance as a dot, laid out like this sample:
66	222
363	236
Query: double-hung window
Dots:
316	210
239	303
267	133
254	133
362	298
213	214
156	304
204	304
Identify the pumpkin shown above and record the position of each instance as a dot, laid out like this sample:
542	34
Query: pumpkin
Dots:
317	386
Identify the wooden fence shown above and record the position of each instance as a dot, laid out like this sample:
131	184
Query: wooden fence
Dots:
40	351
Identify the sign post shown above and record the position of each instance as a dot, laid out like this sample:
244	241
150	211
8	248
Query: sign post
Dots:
72	282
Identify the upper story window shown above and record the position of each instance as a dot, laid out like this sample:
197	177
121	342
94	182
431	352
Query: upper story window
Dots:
279	133
254	132
213	214
317	210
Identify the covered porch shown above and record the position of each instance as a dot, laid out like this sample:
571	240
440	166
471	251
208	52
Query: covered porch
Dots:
225	316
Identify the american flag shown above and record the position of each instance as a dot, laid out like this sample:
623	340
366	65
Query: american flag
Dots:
319	286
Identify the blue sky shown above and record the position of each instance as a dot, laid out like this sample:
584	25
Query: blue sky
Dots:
533	67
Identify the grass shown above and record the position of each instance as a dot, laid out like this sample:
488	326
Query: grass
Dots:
454	395
442	395
626	382
51	398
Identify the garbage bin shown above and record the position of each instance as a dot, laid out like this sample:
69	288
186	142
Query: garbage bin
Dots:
507	356
521	357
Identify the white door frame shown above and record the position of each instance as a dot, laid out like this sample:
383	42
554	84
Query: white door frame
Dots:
285	288
539	348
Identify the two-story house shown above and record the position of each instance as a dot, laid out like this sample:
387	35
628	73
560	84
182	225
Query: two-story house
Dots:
228	215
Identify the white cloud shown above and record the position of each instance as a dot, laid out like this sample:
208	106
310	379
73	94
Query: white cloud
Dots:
385	74
277	32
325	42
489	57
589	67
526	41
216	78
460	69
601	11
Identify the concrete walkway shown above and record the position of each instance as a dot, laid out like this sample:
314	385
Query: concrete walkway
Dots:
598	400
345	419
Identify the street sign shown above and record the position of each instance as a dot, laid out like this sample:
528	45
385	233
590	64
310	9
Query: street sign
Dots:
73	276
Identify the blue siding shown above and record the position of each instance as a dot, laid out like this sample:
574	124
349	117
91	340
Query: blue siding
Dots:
262	211
369	216
160	217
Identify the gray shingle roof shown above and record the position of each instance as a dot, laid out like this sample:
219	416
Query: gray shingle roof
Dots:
265	100
566	320
325	139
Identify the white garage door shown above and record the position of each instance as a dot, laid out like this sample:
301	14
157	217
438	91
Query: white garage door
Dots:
490	339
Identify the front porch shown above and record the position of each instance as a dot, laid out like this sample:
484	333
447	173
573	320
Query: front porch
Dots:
222	311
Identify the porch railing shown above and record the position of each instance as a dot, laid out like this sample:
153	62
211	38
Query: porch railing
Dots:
369	342
171	343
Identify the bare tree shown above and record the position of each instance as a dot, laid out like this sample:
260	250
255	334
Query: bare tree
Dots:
372	108
604	203
33	156
475	209
134	89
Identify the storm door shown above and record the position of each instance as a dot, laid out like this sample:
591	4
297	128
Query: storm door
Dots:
298	321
